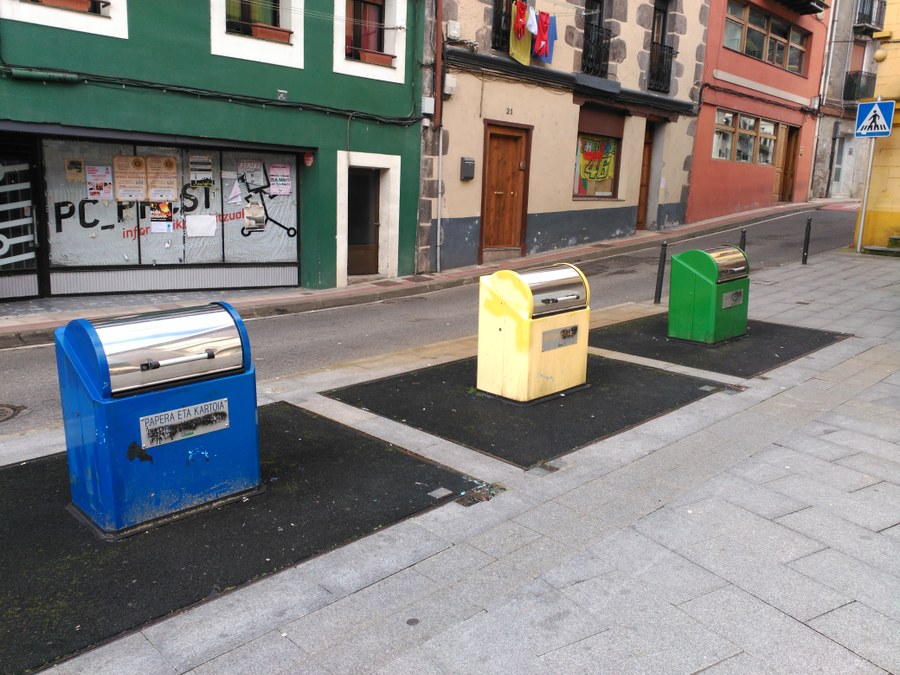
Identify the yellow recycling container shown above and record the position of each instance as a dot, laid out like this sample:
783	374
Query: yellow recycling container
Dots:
533	332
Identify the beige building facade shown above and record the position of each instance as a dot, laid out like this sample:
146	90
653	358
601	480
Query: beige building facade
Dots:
533	152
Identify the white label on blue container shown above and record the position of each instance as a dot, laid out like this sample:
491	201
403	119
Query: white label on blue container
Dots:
174	425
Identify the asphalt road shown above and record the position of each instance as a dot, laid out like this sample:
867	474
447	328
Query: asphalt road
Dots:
286	345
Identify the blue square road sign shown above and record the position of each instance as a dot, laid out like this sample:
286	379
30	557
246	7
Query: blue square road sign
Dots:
874	119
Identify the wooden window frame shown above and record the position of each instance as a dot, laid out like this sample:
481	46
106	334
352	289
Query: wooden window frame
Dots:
749	126
96	7
795	41
354	22
245	24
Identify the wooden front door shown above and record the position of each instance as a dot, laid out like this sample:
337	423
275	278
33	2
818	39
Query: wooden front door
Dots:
503	203
643	195
790	163
780	147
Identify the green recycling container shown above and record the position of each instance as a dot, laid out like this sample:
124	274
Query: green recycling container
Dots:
708	295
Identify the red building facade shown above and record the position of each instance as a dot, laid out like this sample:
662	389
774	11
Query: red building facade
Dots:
758	104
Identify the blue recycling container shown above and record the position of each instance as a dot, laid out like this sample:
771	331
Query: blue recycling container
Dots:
160	414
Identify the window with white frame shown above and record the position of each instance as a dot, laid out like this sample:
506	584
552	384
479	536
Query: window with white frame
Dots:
370	39
100	7
108	18
257	19
267	31
364	27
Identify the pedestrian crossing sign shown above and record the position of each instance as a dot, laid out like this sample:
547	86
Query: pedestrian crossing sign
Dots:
874	119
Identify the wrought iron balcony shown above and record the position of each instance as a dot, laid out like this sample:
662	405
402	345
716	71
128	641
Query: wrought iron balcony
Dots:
804	6
869	16
595	54
501	26
859	84
659	75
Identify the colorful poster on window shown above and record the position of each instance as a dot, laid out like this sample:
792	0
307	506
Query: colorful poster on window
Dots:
162	179
130	176
596	166
160	217
280	179
99	182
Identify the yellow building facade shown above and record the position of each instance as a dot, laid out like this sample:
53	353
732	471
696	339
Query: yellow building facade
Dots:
881	216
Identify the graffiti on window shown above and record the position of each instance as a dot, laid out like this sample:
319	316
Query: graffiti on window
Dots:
17	236
256	213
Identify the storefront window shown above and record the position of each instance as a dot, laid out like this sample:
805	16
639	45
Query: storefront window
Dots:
121	204
596	161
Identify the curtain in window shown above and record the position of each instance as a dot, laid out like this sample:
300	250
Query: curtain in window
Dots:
252	11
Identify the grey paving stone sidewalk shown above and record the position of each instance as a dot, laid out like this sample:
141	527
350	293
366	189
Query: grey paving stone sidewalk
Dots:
751	532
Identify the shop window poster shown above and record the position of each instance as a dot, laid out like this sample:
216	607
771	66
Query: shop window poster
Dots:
162	179
99	182
596	166
252	172
201	171
160	217
130	177
74	170
280	179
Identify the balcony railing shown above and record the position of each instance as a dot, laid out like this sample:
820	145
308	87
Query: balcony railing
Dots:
869	16
595	55
859	84
659	75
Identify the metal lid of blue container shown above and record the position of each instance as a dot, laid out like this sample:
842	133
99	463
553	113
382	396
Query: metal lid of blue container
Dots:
164	348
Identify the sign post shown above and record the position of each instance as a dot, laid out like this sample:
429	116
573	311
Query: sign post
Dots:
873	120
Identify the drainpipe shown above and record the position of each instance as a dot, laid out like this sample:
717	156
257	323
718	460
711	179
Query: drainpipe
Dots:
835	134
829	41
823	96
439	122
823	87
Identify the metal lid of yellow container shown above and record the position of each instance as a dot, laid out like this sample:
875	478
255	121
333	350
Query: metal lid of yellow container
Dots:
543	291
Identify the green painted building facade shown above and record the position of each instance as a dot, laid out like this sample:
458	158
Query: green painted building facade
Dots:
171	145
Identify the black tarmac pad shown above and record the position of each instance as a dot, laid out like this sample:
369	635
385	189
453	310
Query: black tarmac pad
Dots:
442	400
64	589
766	345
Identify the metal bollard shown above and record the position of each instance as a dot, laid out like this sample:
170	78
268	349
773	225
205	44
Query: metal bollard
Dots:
743	244
660	273
806	240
